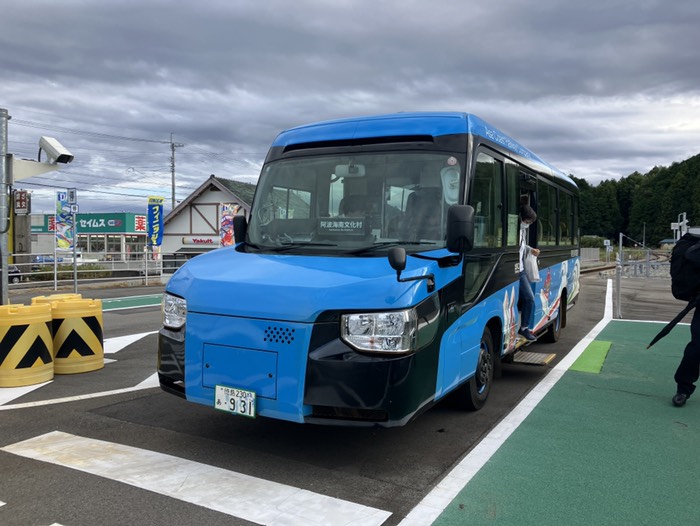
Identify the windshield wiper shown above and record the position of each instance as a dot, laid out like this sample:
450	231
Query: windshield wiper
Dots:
384	244
289	246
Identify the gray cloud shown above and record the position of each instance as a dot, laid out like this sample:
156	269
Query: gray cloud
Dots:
600	89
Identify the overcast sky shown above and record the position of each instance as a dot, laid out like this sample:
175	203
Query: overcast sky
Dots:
599	89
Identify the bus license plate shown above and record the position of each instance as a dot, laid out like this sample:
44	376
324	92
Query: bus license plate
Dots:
236	401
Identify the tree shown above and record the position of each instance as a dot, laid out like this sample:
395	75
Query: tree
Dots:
641	204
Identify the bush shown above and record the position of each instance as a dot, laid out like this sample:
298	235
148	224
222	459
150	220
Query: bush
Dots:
592	242
65	272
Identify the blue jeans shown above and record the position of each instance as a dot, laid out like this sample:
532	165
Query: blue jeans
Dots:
526	300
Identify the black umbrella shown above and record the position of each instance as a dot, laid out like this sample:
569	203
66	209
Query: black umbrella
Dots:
671	324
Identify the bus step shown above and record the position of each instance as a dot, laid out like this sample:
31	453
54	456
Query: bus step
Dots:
533	358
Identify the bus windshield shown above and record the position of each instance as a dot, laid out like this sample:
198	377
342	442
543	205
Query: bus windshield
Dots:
356	204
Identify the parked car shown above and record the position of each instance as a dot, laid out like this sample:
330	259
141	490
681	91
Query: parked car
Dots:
47	259
44	260
14	275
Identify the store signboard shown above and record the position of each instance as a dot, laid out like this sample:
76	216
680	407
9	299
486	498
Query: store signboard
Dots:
212	241
155	221
109	223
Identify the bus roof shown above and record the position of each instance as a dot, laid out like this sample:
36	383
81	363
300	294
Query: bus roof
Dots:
415	123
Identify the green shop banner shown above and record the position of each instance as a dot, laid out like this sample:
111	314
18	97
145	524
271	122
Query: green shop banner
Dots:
110	223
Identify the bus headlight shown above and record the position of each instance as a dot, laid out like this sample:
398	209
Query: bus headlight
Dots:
174	311
382	332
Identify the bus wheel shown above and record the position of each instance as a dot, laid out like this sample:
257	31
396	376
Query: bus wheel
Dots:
479	385
554	329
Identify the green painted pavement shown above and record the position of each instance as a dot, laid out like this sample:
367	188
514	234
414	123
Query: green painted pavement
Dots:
604	448
131	302
592	359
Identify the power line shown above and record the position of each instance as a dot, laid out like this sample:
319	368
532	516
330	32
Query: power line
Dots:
53	186
44	126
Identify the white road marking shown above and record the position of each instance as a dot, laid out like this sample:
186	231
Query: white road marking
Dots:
249	498
430	508
112	345
7	394
148	383
151	381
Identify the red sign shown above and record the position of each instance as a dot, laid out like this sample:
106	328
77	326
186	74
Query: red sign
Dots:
22	202
140	223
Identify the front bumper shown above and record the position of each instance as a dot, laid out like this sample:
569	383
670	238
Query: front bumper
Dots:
300	372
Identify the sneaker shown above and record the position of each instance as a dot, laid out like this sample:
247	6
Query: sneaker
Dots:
679	399
527	334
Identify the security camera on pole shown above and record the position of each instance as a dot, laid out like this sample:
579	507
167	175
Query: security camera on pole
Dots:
12	170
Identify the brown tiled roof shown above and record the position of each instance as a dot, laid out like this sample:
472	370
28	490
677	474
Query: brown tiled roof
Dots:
244	191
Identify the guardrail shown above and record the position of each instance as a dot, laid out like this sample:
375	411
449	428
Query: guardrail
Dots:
44	270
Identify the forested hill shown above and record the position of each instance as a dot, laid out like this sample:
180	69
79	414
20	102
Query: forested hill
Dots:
655	198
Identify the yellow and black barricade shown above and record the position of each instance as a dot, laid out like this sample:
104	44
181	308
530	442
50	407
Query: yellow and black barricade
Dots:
78	341
56	297
26	356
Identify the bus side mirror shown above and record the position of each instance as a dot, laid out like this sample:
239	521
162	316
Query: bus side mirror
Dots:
240	228
460	228
397	260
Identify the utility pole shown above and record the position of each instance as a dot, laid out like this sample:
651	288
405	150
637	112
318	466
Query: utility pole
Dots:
173	145
4	211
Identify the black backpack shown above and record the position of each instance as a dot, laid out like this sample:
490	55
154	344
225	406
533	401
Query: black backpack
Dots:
685	274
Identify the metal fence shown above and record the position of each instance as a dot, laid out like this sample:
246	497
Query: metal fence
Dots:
54	270
590	255
648	267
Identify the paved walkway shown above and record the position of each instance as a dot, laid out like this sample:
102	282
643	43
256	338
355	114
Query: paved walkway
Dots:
585	446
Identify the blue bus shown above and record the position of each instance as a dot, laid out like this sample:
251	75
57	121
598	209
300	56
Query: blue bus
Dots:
376	273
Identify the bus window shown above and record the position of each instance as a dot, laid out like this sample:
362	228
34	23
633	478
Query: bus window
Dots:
401	198
512	204
565	219
546	214
335	197
285	203
574	220
487	200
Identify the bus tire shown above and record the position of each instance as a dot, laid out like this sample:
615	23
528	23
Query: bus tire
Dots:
554	328
479	386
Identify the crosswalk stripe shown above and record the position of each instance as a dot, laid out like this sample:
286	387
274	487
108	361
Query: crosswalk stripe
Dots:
242	496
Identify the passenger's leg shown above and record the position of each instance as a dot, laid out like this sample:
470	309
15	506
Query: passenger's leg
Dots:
526	300
689	368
